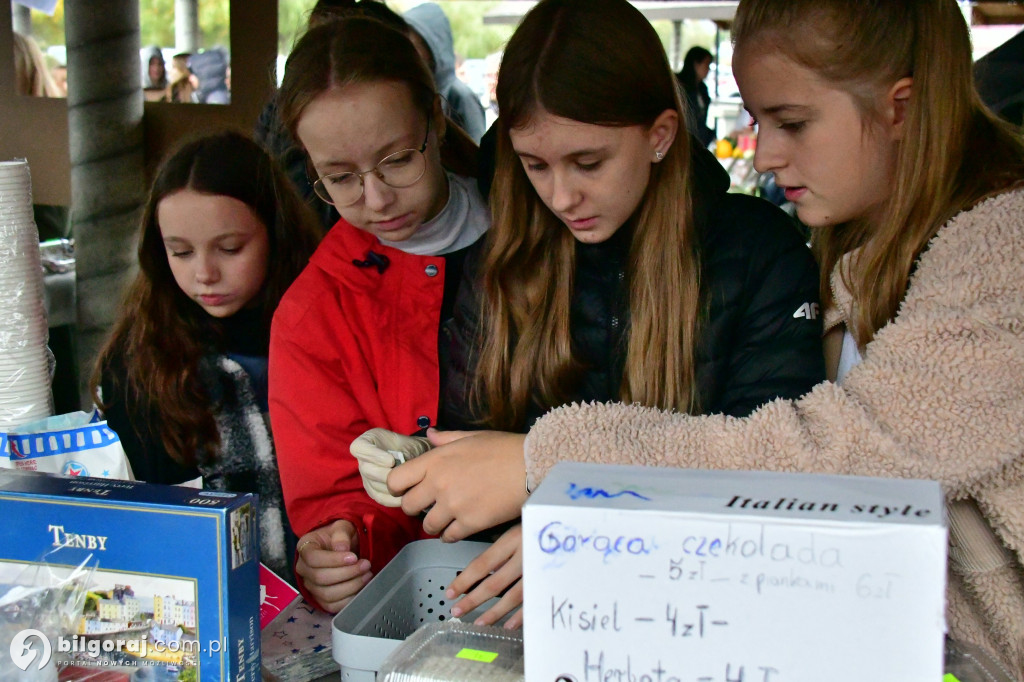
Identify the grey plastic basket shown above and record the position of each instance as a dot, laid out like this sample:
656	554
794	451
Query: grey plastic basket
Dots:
407	594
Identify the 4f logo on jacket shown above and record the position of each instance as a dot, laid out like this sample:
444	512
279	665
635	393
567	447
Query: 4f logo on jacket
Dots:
808	310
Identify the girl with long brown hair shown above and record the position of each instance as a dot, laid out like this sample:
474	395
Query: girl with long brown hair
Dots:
869	118
618	266
355	342
183	377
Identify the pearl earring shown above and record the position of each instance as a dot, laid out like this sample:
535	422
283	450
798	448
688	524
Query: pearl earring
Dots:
658	156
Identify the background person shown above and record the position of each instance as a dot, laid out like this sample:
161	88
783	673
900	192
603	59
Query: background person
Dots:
155	77
696	67
31	75
432	35
183	83
211	69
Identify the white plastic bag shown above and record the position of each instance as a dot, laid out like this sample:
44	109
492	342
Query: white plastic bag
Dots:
73	444
41	602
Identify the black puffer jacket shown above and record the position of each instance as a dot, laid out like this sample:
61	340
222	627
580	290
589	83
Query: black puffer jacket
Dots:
760	336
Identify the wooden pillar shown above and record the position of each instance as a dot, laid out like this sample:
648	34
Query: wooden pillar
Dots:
21	19
105	107
186	26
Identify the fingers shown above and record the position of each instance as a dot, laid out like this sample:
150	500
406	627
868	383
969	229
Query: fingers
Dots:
515	621
513	599
334	592
488	561
437	438
377	451
342	537
501	565
488	589
328	566
455	531
328	545
325	568
405	476
375	484
436	520
365	450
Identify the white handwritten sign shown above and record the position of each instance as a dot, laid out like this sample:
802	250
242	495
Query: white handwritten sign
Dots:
636	574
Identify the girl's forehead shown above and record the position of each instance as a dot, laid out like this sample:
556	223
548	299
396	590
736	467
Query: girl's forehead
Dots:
361	108
191	215
544	129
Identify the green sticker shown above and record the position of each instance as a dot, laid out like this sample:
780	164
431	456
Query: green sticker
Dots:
950	677
488	656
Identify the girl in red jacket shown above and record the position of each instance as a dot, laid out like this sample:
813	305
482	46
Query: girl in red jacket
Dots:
354	344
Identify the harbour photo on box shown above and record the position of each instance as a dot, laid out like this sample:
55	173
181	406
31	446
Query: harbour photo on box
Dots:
128	620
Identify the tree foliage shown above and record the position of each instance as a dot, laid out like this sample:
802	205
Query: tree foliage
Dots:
157	23
49	30
473	39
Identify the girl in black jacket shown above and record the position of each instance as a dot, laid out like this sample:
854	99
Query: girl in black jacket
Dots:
618	267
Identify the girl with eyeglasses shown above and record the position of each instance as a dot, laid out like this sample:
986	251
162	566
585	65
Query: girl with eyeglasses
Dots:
183	378
618	267
355	341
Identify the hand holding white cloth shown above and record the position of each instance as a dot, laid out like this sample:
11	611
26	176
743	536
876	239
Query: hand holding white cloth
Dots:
378	451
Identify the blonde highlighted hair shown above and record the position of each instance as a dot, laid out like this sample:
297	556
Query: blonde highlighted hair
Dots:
31	74
599	62
953	153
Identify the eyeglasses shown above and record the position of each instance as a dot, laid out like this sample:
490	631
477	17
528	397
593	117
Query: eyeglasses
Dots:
401	169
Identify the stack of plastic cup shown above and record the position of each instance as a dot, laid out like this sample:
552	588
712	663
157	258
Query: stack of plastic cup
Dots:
25	393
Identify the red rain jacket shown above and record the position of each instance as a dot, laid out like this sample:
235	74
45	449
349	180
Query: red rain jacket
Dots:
352	347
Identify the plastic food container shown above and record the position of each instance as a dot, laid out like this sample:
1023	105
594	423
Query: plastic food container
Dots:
456	652
406	595
969	663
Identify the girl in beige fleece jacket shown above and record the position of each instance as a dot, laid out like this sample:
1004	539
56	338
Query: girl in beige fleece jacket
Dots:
870	121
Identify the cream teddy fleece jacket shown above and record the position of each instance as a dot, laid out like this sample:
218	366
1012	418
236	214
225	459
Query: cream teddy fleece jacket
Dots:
939	395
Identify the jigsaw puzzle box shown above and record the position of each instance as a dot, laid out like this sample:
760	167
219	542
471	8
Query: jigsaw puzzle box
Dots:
176	584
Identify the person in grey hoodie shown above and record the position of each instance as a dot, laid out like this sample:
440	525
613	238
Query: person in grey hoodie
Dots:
155	74
430	24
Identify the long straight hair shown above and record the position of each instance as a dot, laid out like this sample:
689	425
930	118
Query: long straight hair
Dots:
161	333
360	49
598	62
954	151
688	74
